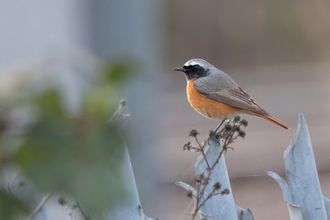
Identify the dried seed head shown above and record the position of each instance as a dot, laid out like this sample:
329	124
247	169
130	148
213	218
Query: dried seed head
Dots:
217	186
199	178
242	134
228	127
237	128
237	118
190	194
122	102
187	146
225	192
193	133
244	123
62	201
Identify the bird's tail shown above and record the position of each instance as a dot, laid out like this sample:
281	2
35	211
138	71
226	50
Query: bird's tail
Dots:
274	120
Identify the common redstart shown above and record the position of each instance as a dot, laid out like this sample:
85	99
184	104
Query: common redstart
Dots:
215	95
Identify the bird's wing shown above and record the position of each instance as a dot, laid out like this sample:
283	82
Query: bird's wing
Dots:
229	94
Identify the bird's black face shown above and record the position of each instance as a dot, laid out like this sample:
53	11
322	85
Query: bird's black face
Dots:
192	71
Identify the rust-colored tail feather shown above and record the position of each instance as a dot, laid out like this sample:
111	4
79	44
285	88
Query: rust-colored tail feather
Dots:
274	120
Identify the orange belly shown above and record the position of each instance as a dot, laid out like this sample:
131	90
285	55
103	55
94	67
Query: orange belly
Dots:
208	107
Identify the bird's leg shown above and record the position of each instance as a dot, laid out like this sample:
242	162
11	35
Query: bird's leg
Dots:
217	128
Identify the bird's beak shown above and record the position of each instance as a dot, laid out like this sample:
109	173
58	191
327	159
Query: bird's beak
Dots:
181	69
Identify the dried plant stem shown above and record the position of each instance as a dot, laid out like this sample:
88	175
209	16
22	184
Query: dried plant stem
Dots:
201	187
227	134
39	207
119	110
217	128
207	198
201	147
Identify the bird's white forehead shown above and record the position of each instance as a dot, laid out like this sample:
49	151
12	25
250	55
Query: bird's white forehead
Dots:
199	62
191	63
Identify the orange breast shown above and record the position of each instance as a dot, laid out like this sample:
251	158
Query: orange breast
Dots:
208	107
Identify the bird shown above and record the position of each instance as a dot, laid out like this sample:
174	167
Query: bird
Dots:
215	95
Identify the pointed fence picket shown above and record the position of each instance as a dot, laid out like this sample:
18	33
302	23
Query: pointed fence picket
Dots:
131	208
218	206
302	193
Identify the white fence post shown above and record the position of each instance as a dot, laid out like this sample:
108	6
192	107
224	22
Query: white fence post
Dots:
303	192
218	207
131	208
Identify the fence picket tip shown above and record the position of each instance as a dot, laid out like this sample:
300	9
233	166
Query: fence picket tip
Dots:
244	214
187	187
302	128
302	191
131	209
287	192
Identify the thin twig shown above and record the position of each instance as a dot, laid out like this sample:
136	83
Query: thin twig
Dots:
207	198
200	192
217	128
202	150
39	207
228	134
118	111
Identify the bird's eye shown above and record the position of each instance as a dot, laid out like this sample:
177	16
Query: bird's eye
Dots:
196	67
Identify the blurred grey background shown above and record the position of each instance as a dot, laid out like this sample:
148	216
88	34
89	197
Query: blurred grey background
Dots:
277	51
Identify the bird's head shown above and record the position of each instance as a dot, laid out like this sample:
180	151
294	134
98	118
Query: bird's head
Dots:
195	68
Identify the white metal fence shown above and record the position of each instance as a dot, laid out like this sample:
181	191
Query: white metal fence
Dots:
301	192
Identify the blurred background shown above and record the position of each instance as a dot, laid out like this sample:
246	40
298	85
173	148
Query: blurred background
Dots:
277	51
